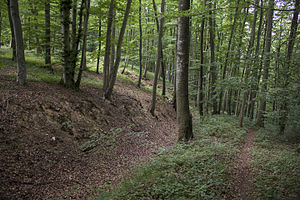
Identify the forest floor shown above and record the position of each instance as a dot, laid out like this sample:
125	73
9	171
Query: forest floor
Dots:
59	143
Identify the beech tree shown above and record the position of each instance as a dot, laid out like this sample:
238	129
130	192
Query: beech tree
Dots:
267	59
18	33
160	27
114	71
182	99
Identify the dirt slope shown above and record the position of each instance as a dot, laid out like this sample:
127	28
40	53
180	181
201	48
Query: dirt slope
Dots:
55	142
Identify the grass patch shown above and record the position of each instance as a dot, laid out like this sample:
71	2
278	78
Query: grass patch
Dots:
277	166
198	170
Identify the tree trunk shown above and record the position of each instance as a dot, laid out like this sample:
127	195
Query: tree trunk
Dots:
36	36
158	58
284	104
108	46
68	75
213	66
184	117
76	37
141	44
200	80
162	64
21	68
247	70
0	28
47	36
113	49
13	40
83	53
99	47
229	48
267	59
74	24
256	63
113	74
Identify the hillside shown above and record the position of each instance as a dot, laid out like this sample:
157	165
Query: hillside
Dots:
61	143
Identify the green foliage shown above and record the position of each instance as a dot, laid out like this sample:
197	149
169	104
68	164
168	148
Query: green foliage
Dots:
224	127
277	167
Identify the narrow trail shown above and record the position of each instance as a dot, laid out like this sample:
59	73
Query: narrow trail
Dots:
242	186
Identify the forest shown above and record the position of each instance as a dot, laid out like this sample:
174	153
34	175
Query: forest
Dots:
149	99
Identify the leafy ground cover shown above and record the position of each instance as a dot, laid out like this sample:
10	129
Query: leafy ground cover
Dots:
276	162
199	170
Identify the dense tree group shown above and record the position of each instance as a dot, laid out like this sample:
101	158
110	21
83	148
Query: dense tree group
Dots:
235	57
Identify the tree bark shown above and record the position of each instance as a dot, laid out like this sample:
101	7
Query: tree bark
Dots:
76	37
158	58
284	104
254	88
247	70
113	74
184	118
113	49
12	31
108	46
267	59
99	47
0	28
47	36
68	75
213	66
21	68
83	53
229	47
200	80
162	64
141	44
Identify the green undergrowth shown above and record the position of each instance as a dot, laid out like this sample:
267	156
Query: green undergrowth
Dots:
277	166
197	170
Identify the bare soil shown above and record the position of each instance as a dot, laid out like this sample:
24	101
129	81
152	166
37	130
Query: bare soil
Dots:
44	129
242	176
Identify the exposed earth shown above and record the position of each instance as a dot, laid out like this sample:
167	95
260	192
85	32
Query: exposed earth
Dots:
60	143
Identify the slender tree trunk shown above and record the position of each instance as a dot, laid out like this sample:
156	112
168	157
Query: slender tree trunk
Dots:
99	47
162	64
238	58
213	66
229	47
114	72
256	64
247	70
76	37
0	28
184	117
267	59
108	46
175	71
284	104
13	40
158	58
83	53
36	36
47	36
141	44
200	80
113	49
74	24
21	68
68	75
